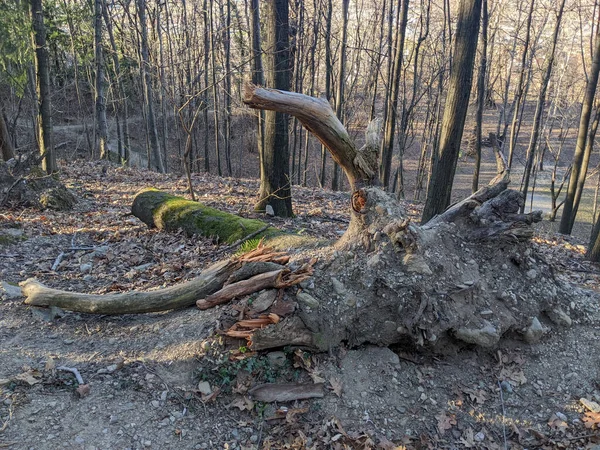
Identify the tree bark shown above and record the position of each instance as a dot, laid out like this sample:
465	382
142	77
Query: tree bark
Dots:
44	107
101	130
6	148
481	76
387	149
457	102
520	88
317	117
581	157
275	186
339	95
539	111
174	297
148	93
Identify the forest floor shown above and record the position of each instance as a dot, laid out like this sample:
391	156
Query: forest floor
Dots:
164	381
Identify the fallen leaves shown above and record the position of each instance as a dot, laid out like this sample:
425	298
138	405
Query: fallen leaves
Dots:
445	422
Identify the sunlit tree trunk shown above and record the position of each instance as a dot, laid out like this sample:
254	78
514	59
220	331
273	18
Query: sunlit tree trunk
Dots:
387	148
480	94
44	108
339	95
520	87
539	111
582	156
101	132
455	111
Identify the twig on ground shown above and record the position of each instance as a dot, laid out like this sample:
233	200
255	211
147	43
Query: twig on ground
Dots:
74	371
57	261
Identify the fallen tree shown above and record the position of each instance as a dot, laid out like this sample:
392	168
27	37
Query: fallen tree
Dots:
470	275
170	213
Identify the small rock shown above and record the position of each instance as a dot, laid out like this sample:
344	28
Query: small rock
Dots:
254	439
113	419
79	440
163	396
531	274
307	300
68	341
559	317
534	332
264	300
204	388
10	292
479	437
155	403
338	286
561	416
506	387
85	268
269	211
147	443
486	336
277	359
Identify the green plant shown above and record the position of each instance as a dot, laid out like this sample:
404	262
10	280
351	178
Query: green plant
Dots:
247	246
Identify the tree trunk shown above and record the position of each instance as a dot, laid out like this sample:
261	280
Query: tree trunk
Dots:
480	94
101	131
520	87
6	148
339	95
156	155
257	78
539	111
387	149
457	102
170	213
118	75
44	108
581	157
275	186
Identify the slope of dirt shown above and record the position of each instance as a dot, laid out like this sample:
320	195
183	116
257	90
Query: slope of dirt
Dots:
148	374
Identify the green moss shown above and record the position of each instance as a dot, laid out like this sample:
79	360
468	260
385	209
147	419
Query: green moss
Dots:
173	213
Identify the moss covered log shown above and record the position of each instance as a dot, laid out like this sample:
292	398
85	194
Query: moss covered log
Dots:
171	213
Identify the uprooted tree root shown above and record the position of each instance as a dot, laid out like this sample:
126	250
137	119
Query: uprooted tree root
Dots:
470	275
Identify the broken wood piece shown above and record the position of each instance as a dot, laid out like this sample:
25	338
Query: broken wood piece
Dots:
290	331
252	268
241	288
173	297
286	392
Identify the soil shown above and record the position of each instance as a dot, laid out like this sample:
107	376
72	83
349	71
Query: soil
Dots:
146	376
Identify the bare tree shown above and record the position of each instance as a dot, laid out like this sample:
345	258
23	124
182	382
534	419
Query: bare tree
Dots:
101	131
541	102
275	185
581	157
147	85
387	148
42	70
457	102
481	76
